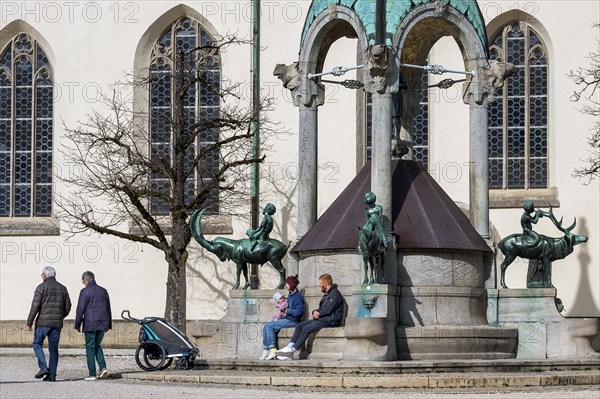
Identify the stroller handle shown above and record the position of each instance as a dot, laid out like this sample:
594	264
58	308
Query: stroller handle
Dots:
128	317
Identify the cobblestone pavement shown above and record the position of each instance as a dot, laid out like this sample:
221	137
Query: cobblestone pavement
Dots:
16	381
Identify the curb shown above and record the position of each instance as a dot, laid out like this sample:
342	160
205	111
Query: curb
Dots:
456	380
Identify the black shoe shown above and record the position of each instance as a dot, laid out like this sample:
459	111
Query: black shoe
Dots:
49	378
42	373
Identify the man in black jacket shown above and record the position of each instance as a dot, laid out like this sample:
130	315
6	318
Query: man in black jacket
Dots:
93	309
329	314
51	304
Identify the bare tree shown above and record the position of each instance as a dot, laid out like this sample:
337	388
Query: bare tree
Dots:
128	186
588	81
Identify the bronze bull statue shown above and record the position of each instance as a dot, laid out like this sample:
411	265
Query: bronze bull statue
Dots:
242	252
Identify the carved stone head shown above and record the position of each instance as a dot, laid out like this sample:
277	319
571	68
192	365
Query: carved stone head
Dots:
379	66
288	74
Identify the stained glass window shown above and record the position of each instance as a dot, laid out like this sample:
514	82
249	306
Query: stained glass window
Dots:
26	99
518	118
200	103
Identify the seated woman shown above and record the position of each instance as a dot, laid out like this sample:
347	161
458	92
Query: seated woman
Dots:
293	315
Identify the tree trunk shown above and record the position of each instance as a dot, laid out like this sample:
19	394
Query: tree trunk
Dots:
175	308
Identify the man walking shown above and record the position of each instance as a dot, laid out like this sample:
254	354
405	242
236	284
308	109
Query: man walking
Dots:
329	314
50	305
93	309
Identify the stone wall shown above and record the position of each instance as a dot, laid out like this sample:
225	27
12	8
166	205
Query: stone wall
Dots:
124	334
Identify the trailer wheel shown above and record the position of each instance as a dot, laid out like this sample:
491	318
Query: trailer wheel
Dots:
167	364
150	356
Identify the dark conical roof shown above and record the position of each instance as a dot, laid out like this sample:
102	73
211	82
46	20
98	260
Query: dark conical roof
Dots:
423	215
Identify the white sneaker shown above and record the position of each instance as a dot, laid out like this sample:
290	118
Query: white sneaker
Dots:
264	355
272	354
103	374
287	351
90	378
285	358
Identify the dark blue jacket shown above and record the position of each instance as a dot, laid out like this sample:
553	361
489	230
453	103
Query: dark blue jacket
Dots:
93	309
295	309
331	307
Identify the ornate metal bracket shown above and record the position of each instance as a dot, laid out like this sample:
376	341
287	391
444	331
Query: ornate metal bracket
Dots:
335	71
348	83
437	69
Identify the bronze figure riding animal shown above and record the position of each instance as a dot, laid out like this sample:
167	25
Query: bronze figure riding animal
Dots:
241	252
546	250
372	251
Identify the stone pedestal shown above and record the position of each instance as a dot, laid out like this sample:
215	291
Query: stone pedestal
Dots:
370	329
251	306
239	333
442	312
543	331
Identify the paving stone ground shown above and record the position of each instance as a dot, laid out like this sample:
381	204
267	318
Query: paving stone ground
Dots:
17	370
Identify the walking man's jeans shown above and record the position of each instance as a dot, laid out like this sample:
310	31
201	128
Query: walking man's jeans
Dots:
39	336
271	330
94	352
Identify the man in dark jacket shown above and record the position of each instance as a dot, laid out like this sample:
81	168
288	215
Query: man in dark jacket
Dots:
50	305
329	314
93	309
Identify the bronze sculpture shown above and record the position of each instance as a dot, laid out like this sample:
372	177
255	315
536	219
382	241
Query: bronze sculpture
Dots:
259	249
372	241
531	245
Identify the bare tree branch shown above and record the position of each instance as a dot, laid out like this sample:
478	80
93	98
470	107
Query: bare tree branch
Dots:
116	165
588	81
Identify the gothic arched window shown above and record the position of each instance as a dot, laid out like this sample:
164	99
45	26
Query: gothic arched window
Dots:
201	103
518	119
26	95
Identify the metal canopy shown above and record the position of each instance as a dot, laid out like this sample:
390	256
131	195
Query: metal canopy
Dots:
423	215
395	11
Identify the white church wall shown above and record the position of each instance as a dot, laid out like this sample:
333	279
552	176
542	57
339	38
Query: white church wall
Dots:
91	51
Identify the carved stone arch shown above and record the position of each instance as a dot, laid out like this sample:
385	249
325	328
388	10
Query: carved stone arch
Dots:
331	24
422	28
337	22
11	30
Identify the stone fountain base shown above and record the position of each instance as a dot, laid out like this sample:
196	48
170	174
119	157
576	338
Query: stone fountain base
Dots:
543	332
453	341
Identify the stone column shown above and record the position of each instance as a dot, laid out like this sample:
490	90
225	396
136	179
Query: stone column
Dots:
307	169
478	91
307	96
381	172
478	170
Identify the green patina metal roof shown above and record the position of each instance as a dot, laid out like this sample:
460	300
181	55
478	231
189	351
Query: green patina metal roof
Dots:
365	10
396	11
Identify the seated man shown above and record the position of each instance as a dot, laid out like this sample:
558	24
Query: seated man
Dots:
329	314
